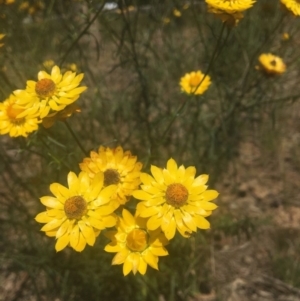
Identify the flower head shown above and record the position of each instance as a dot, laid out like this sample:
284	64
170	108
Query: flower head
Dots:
119	168
77	214
1	37
136	247
195	83
52	91
174	199
16	120
292	5
231	6
271	64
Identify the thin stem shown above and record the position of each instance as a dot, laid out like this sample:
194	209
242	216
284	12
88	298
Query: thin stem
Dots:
81	34
181	107
75	138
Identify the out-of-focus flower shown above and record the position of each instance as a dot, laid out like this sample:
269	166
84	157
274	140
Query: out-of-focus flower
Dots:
67	112
52	91
7	2
31	8
12	124
127	10
194	83
48	64
185	6
177	13
231	6
119	168
136	247
1	37
166	20
292	5
285	36
172	198
271	64
76	215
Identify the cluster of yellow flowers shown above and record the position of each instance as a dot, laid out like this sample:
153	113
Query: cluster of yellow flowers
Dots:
171	199
50	98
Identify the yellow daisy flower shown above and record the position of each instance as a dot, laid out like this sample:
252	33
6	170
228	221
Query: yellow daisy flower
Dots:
190	83
1	37
119	168
174	199
177	13
52	91
136	247
10	121
76	215
292	5
230	19
231	6
271	64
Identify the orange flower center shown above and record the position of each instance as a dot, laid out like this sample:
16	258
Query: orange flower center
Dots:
176	195
45	87
137	240
111	177
75	207
12	113
195	80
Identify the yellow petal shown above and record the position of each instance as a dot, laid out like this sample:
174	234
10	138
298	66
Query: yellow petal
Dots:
170	229
201	222
154	222
159	251
200	180
63	228
106	194
189	222
74	237
151	259
109	221
96	223
55	223
120	257
81	243
142	266
208	206
73	182
157	174
172	166
84	182
142	195
135	259
113	248
51	202
128	218
87	232
149	211
146	179
209	195
43	217
127	267
62	242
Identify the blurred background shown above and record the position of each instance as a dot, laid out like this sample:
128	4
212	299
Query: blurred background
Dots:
243	132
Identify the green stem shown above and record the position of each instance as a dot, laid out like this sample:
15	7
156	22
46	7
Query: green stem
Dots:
75	138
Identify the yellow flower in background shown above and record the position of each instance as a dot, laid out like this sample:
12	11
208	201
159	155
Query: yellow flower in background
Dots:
190	83
292	5
48	64
7	2
52	91
172	198
271	64
1	37
119	168
285	36
136	247
230	20
231	6
177	13
12	124
76	215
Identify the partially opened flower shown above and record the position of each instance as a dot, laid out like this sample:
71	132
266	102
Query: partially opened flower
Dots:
10	121
52	91
231	6
195	83
119	168
76	215
292	5
271	64
136	247
172	198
